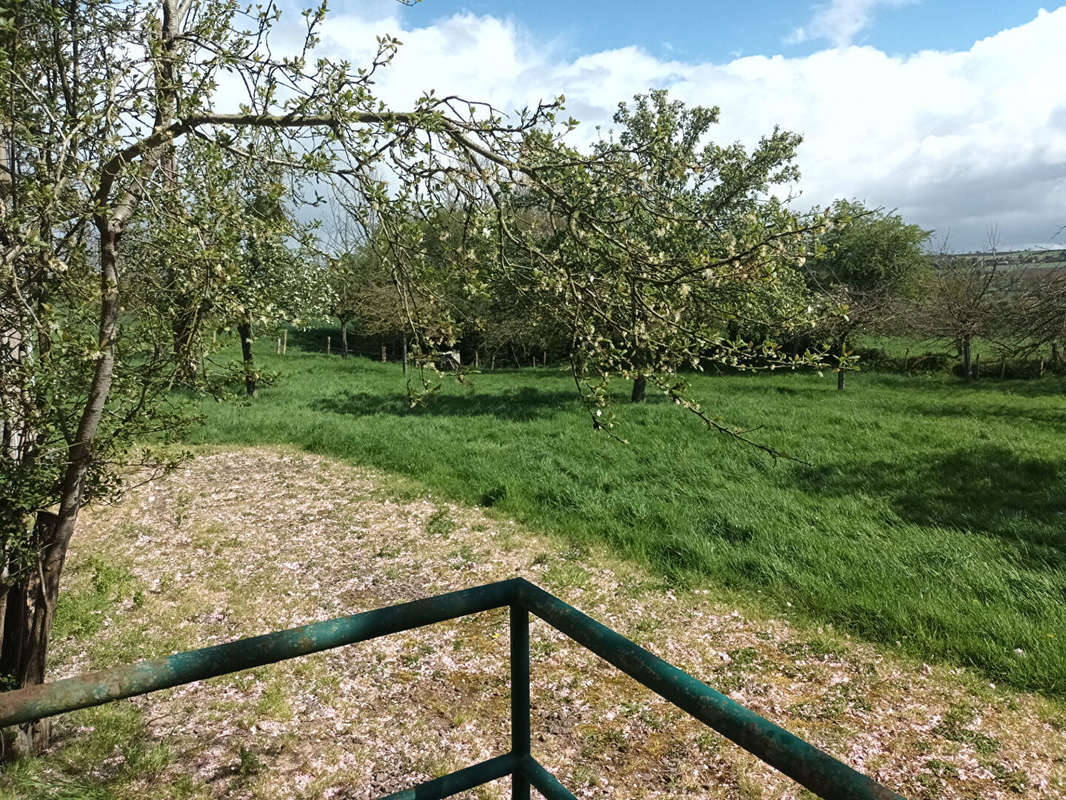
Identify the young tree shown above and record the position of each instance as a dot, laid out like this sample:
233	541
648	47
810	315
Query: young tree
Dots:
648	249
1027	311
95	96
217	247
967	296
865	265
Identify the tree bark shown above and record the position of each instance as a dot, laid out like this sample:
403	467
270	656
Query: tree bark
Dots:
29	608
185	328
842	352
244	330
640	389
344	337
967	372
26	614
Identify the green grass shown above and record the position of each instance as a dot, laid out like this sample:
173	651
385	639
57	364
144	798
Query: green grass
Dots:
80	612
111	750
930	517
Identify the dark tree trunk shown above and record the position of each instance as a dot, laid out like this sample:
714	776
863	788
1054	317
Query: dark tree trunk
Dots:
184	328
344	337
26	613
640	389
967	371
244	329
842	352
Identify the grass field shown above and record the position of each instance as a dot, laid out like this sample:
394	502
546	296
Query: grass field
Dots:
930	515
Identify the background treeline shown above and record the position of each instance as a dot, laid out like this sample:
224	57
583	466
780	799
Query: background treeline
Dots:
882	300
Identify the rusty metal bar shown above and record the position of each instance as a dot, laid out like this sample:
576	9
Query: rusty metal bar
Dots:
34	702
803	762
808	765
461	780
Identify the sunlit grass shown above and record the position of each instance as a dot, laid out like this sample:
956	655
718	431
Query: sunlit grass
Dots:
930	515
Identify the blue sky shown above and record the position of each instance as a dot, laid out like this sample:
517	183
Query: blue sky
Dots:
951	113
719	31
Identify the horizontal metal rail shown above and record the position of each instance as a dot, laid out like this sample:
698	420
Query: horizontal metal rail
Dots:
813	768
94	688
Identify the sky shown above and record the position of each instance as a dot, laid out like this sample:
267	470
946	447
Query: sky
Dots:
953	114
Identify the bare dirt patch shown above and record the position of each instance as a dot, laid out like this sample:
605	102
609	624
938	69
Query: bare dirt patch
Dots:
238	543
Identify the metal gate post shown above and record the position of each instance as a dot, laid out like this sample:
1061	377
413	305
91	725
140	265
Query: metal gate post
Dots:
520	711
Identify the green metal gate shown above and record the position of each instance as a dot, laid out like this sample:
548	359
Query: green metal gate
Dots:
811	767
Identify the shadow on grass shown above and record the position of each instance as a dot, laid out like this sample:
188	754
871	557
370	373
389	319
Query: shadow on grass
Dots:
987	489
1018	413
522	405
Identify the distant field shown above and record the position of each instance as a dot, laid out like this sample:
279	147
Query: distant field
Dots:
931	516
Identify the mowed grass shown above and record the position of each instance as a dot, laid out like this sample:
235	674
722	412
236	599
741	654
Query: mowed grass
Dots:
930	515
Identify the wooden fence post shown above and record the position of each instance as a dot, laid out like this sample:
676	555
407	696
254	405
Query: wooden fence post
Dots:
327	345
284	341
277	350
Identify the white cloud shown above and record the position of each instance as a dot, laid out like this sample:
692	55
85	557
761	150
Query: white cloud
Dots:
954	140
839	21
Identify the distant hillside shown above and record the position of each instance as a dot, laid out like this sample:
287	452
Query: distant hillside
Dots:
1010	259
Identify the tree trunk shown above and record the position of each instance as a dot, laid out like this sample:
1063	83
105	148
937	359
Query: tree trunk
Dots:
244	329
185	329
344	337
26	614
967	372
28	606
842	352
640	389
